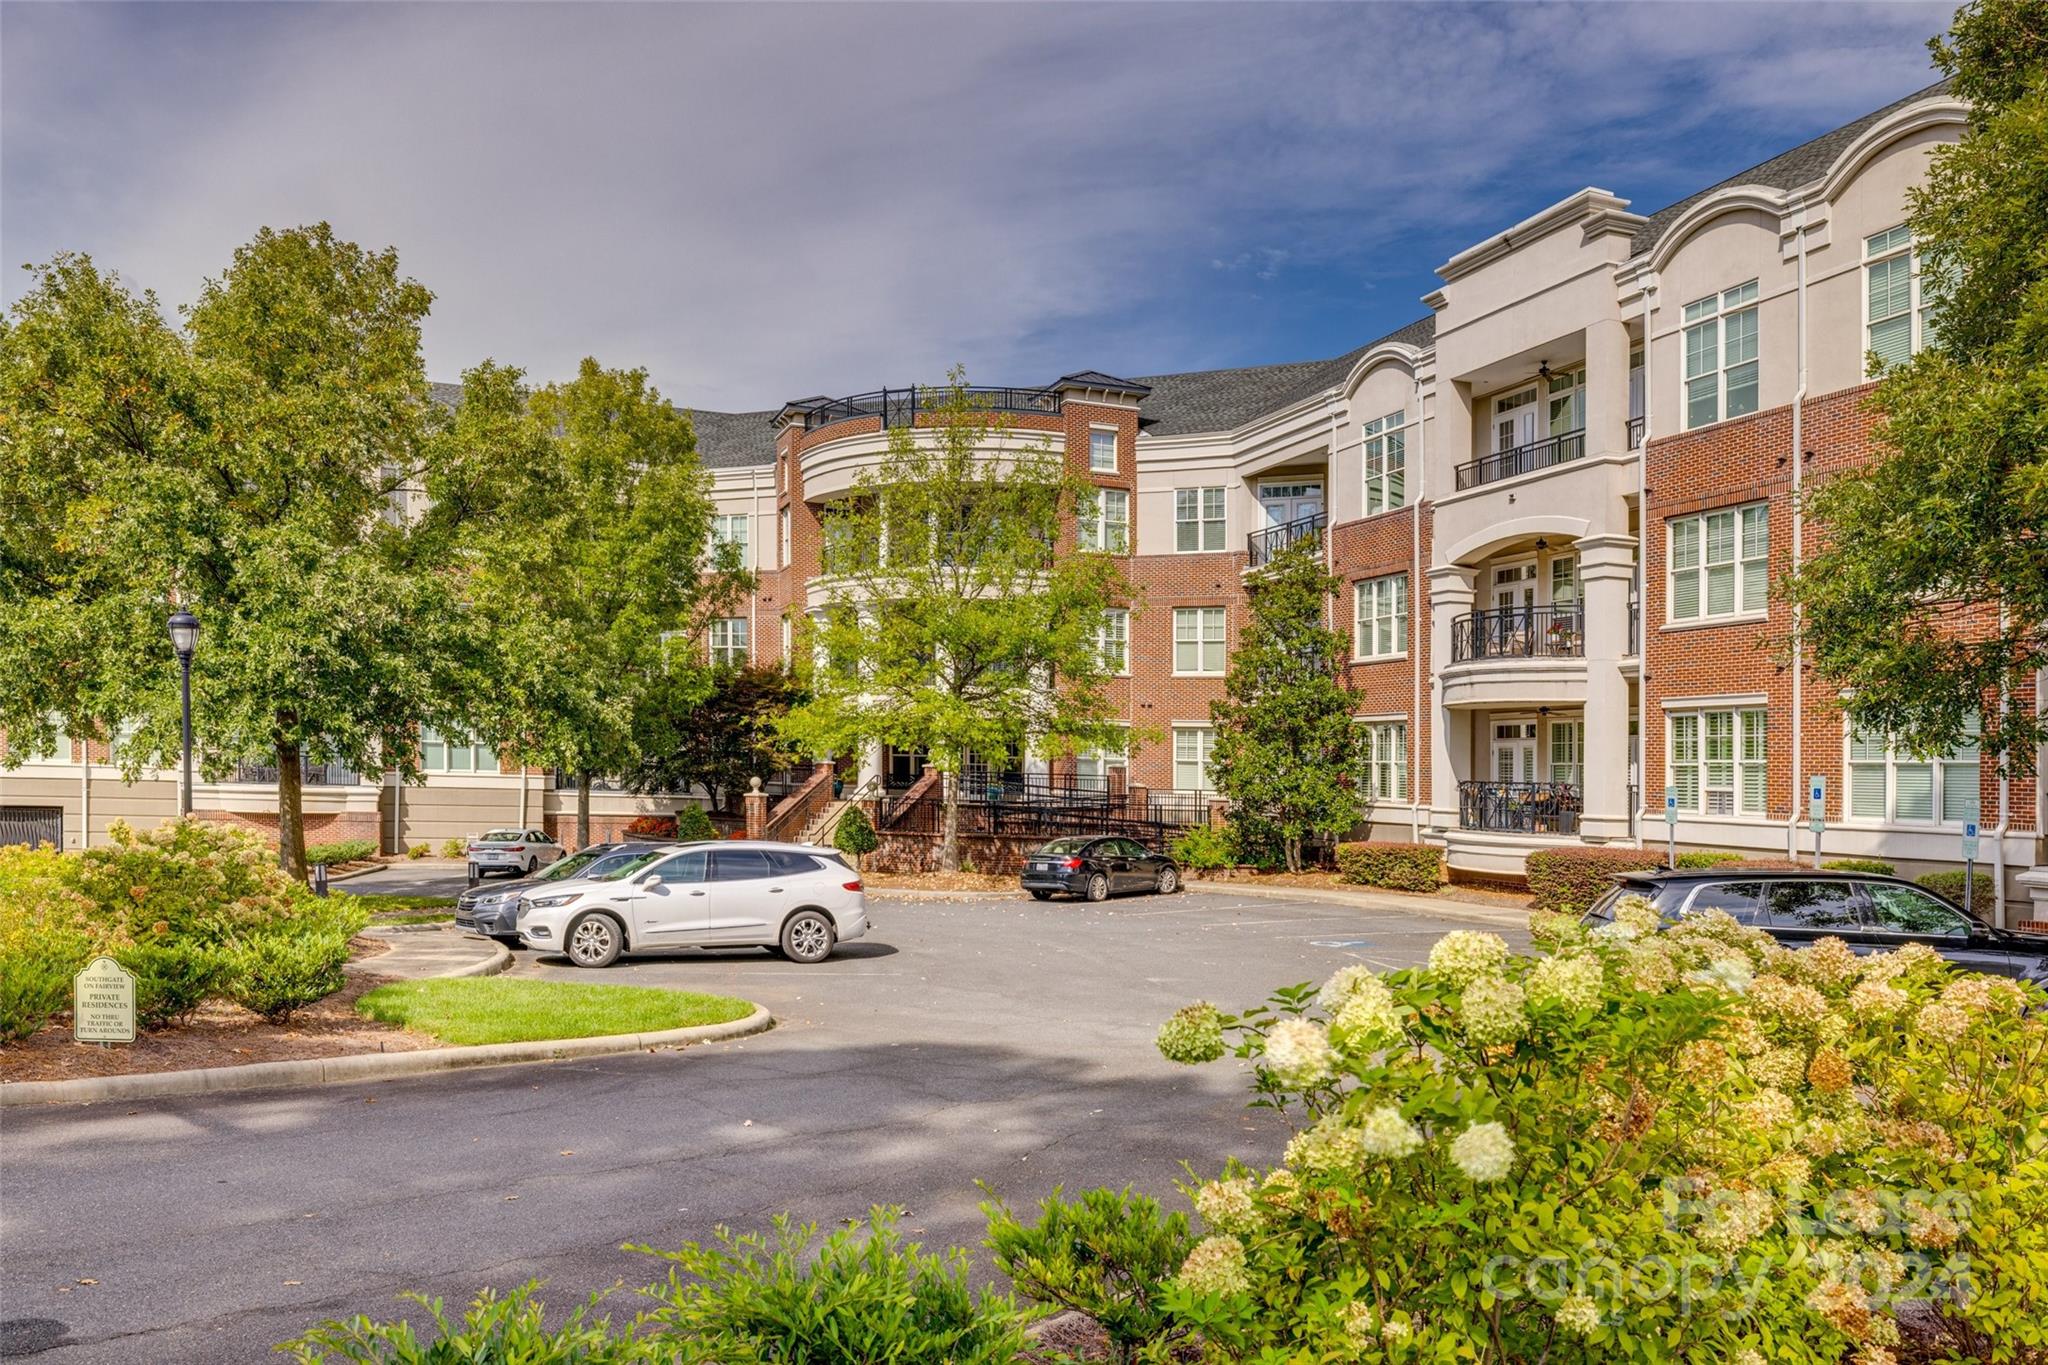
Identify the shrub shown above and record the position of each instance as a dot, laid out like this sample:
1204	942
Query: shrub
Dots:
1203	848
1398	867
511	1328
455	848
340	851
693	824
1708	857
1949	885
856	835
1107	1254
867	1296
1873	866
1679	1146
47	932
173	977
419	850
1570	879
275	975
651	827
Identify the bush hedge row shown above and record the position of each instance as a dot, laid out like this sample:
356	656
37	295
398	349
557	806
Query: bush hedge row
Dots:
1950	885
1570	879
340	851
196	910
1397	867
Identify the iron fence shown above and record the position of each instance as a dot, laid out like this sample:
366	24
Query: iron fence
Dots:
1519	633
1635	433
1042	809
1519	807
1506	464
900	407
1265	545
311	774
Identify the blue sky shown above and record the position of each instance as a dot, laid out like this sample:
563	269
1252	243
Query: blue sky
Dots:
765	201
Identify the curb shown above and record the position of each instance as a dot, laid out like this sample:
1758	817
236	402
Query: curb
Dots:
919	894
499	960
1429	907
365	1066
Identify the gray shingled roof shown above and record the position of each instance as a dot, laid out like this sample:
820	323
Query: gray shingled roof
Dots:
724	439
1803	165
1223	400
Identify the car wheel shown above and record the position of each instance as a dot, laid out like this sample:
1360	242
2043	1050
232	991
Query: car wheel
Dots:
1041	895
808	937
1169	880
595	941
1098	887
532	866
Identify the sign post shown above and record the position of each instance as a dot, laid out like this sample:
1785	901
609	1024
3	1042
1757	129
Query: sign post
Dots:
1816	812
1969	865
103	1003
1671	827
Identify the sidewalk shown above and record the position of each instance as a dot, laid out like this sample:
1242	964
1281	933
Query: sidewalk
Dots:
1376	902
431	950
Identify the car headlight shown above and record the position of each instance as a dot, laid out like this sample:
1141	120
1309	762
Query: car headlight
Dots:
549	902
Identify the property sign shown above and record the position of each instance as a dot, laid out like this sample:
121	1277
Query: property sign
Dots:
103	1003
1670	805
1970	842
1816	803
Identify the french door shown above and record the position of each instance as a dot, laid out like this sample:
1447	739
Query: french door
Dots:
1287	502
1514	751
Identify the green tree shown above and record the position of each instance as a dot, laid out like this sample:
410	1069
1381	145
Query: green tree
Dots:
583	515
1949	518
239	465
686	736
1288	754
952	625
855	836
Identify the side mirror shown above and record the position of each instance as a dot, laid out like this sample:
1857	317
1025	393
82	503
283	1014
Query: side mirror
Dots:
651	880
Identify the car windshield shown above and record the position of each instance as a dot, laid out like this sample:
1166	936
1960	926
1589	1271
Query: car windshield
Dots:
1068	845
504	836
613	866
571	866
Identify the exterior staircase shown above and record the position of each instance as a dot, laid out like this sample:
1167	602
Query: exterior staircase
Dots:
825	823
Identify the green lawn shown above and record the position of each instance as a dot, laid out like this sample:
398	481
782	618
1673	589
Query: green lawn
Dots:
378	902
490	1009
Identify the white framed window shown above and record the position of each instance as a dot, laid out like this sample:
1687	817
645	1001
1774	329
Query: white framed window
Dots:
1198	640
729	642
1893	787
731	529
58	750
1092	766
1197	519
1105	521
1894	312
1721	356
1719	563
1567	752
1113	640
782	541
1716	760
1386	463
1379	617
1386	760
1193	747
1102	451
441	753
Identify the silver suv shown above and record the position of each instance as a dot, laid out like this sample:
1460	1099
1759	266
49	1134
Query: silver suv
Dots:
796	900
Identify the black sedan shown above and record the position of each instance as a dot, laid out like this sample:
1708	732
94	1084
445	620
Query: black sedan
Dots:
1096	867
1872	914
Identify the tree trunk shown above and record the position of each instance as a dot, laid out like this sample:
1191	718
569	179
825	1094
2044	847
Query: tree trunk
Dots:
291	804
949	826
583	810
1293	853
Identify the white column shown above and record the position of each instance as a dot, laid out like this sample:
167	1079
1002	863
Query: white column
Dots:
870	763
1607	387
1450	732
1606	571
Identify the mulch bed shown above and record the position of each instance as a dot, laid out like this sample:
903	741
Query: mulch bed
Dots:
219	1034
1328	881
936	881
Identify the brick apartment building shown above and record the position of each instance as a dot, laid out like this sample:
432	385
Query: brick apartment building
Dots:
1558	503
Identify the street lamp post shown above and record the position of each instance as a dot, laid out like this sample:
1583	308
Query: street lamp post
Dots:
184	628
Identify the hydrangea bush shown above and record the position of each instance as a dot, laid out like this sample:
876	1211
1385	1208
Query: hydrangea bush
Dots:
1686	1145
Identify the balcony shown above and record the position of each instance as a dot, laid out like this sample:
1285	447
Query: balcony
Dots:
1507	464
1635	433
1519	807
1519	633
899	407
311	774
1265	545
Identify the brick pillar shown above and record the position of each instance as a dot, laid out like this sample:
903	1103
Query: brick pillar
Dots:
1219	812
755	803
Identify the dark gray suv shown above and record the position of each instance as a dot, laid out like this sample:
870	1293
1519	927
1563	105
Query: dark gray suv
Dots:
1871	914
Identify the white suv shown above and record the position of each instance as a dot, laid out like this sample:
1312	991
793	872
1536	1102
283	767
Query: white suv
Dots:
796	900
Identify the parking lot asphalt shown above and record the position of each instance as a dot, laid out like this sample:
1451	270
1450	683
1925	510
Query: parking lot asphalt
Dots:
999	1039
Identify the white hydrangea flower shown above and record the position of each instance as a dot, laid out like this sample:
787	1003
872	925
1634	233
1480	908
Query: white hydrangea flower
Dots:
1329	1146
1638	914
1215	1266
1614	934
1730	974
1466	954
1298	1053
1492	1012
1573	982
1385	1133
1369	1019
1228	1205
1341	986
1578	1314
1484	1152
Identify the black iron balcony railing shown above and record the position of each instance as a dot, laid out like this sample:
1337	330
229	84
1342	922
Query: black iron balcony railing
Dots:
899	407
1266	544
1635	433
1635	627
311	774
1519	633
1519	807
1558	449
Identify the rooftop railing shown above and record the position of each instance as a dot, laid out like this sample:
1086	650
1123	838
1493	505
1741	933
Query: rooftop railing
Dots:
900	407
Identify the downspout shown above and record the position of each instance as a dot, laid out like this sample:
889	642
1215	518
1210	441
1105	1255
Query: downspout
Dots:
2004	814
1416	635
85	794
1798	552
1642	745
